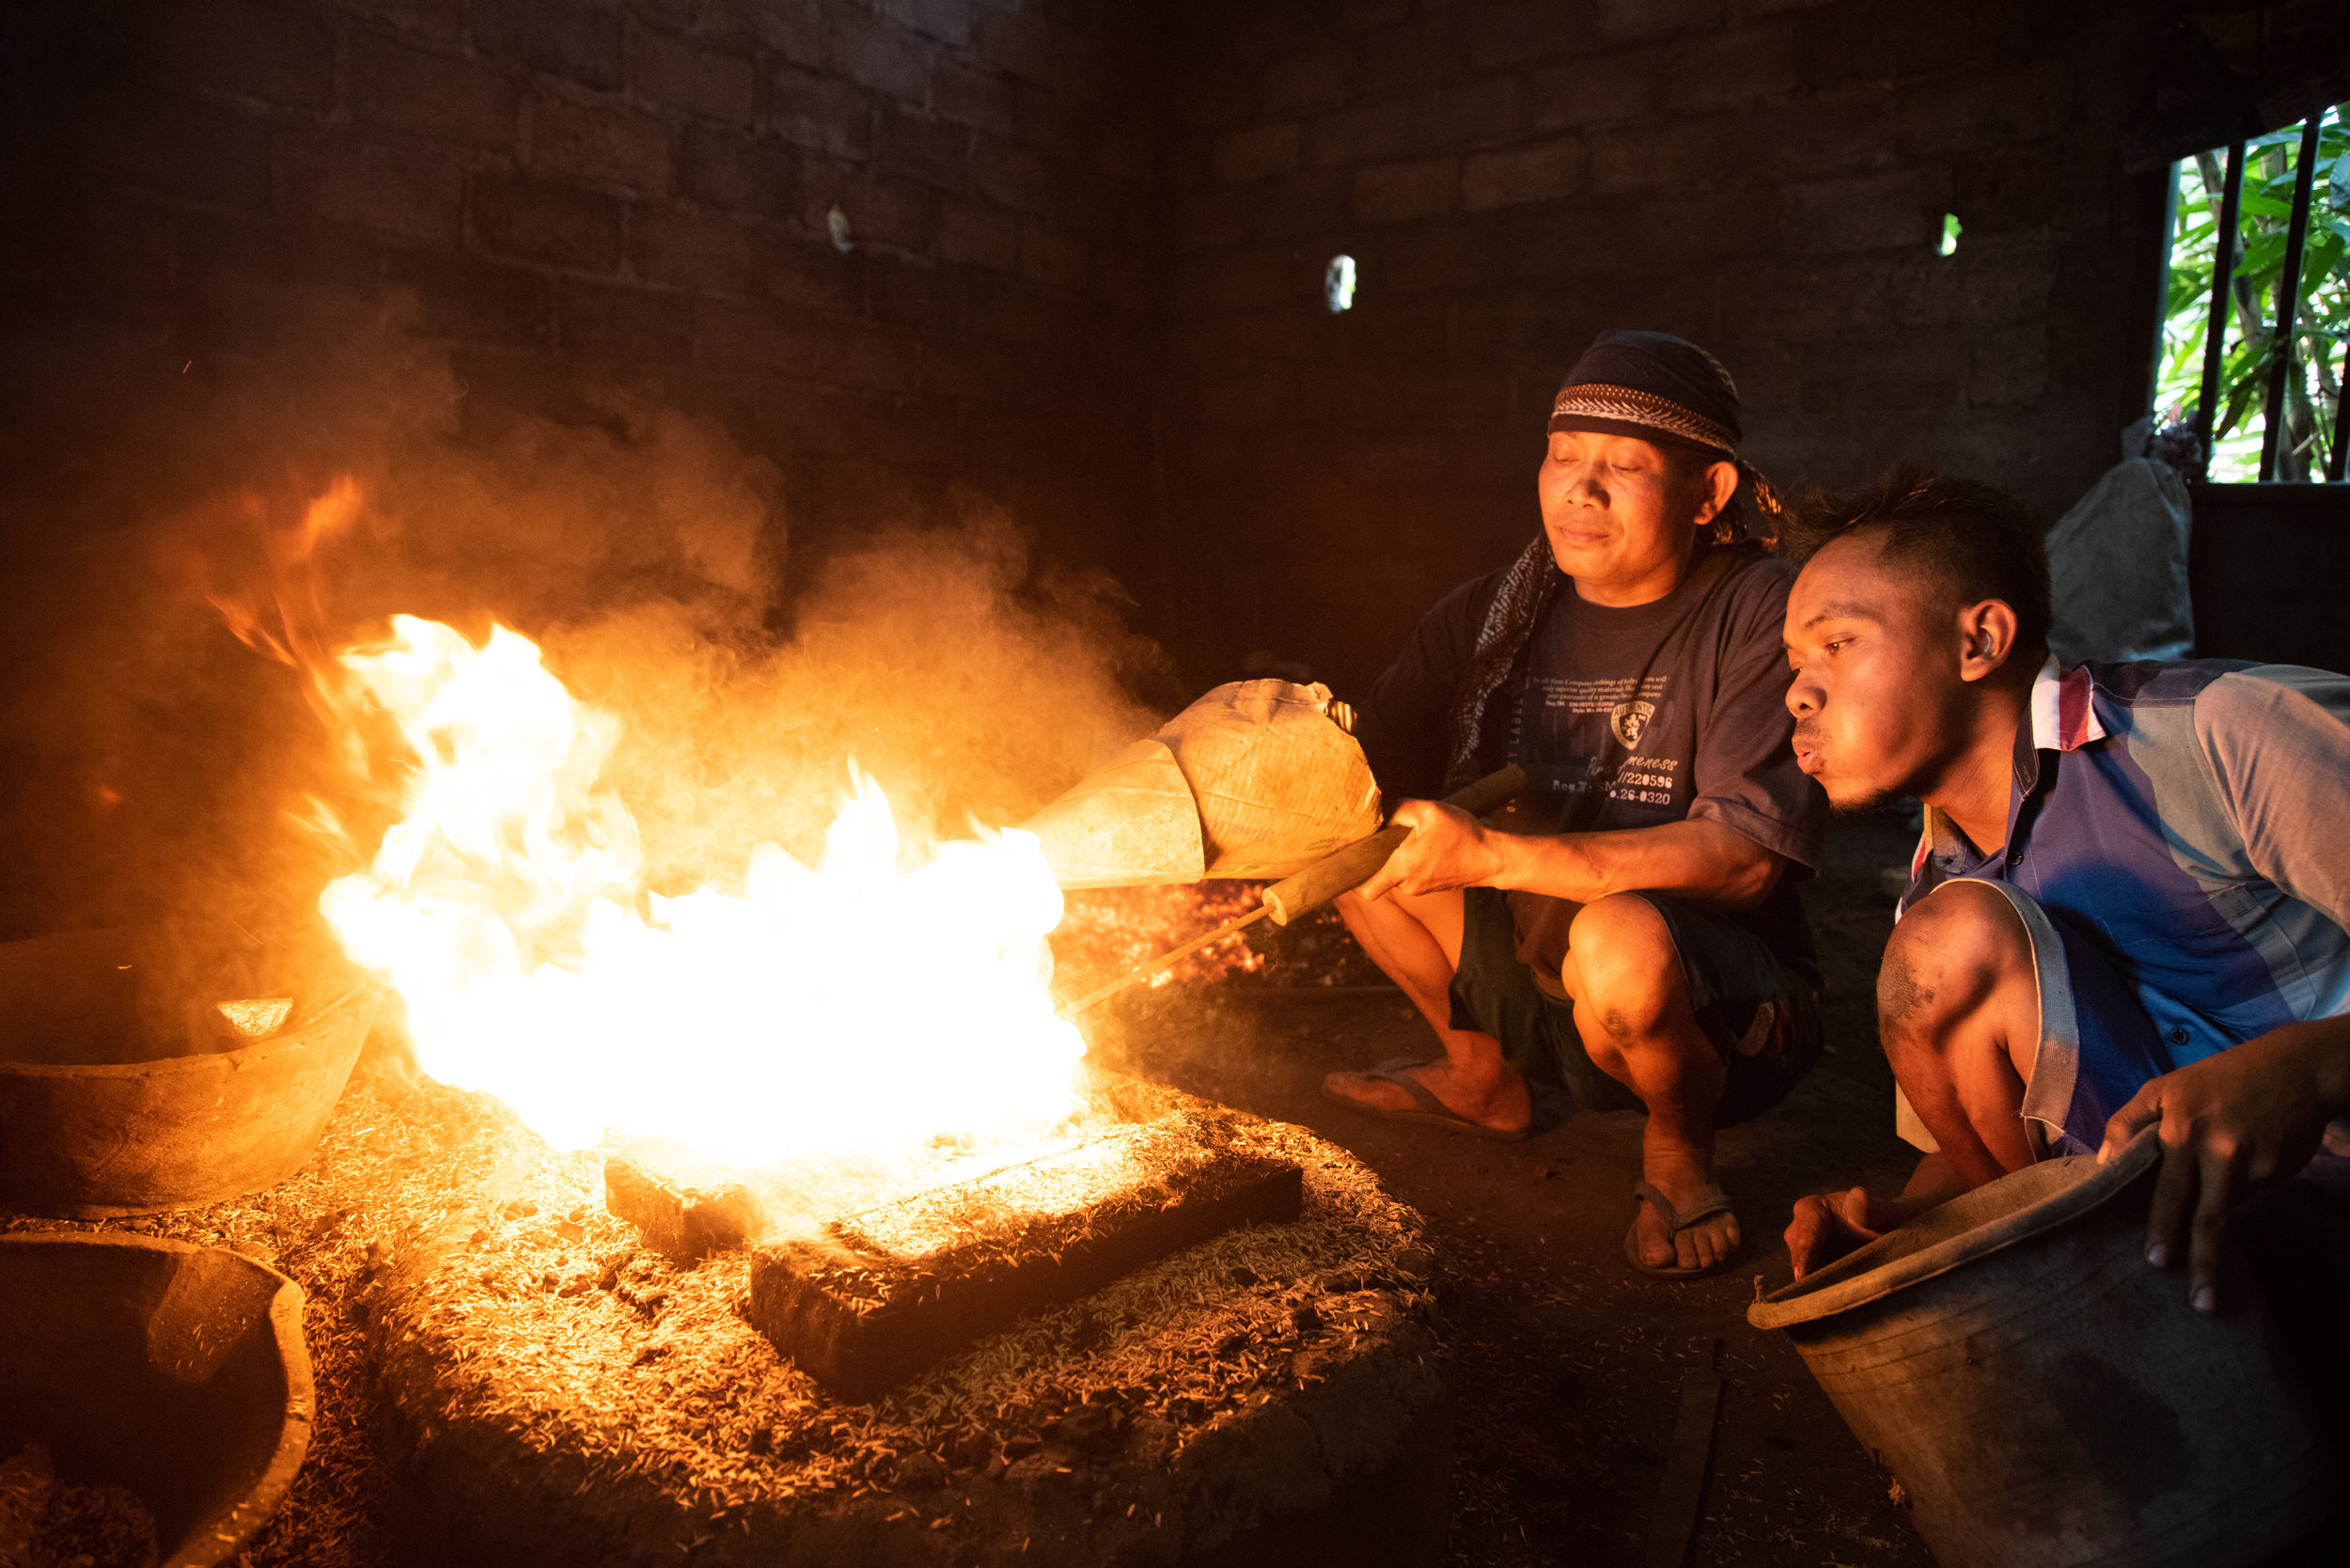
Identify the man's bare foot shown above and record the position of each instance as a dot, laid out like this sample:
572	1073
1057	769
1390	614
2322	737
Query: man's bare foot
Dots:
1490	1094
1686	1181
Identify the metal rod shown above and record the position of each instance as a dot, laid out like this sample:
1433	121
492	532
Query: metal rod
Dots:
2288	301
2342	410
2222	282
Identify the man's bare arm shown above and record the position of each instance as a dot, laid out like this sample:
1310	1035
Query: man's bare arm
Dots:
1701	860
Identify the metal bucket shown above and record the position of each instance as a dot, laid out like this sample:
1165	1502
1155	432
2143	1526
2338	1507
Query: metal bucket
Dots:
112	1102
177	1372
2047	1397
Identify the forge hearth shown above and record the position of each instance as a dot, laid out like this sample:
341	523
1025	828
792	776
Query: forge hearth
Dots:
570	1394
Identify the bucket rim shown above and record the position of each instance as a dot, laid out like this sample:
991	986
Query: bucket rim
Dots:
1858	1279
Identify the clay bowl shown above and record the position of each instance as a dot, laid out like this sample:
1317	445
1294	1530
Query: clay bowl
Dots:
177	1372
123	1090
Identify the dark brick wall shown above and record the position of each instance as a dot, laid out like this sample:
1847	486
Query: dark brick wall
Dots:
1766	177
635	191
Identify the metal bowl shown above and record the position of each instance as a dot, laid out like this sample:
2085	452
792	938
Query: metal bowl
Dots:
177	1372
123	1091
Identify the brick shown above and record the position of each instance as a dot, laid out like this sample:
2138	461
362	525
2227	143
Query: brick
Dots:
1397	192
475	301
1212	101
1425	53
577	40
402	187
1977	114
532	221
819	113
1009	176
1543	171
236	274
1010	310
1017	44
797	31
431	21
731	172
1605	91
880	211
976	100
600	144
1514	34
905	293
1257	275
1886	41
923	148
2009	367
1821	133
1081	69
1245	155
627	326
684	1221
1127	154
275	53
1625	20
832	350
948	21
1673	153
1050	260
1052	125
172	147
1429	259
1477	114
466	102
797	269
1901	373
1364	134
1735	67
1877	211
882	58
1309	203
709	253
972	235
677	75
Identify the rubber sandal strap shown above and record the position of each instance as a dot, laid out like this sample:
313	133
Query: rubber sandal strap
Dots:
1675	1221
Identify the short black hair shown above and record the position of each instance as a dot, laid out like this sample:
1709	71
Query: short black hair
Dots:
1972	537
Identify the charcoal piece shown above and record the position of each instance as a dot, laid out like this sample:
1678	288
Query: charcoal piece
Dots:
877	1296
684	1221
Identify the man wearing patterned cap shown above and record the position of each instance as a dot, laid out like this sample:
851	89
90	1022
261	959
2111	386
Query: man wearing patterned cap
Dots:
1627	930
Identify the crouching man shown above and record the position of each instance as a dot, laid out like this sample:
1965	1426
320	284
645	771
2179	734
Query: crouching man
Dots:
1629	929
2128	908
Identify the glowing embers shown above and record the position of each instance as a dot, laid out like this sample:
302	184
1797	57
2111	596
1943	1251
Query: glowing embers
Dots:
876	1297
879	1000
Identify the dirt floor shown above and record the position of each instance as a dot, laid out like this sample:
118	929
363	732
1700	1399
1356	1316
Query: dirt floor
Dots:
1567	1366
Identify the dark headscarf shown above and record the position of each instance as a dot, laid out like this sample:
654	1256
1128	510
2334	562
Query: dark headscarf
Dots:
1648	385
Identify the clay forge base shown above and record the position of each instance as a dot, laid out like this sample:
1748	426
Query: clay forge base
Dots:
880	1296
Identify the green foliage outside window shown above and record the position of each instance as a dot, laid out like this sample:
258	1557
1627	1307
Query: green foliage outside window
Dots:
2321	325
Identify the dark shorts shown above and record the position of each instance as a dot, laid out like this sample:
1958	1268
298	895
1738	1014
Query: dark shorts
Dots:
1732	979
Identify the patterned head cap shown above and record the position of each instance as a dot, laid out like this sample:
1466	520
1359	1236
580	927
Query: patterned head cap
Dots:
1652	386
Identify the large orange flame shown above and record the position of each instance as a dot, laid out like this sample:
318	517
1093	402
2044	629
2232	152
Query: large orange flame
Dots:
877	999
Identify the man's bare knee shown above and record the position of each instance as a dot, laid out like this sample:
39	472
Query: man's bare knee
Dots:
1621	966
1952	951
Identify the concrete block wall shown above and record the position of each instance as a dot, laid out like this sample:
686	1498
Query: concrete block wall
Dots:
1766	177
636	190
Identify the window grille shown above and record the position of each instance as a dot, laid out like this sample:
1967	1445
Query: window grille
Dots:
2260	359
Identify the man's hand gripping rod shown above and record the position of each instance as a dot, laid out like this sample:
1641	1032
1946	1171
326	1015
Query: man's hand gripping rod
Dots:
1342	870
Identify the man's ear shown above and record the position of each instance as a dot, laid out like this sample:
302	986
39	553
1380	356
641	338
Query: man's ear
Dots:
1986	638
1719	483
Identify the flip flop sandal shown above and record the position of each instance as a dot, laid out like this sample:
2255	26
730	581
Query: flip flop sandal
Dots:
1433	1112
1714	1203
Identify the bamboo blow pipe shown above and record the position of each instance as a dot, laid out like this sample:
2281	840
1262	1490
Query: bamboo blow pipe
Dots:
1343	871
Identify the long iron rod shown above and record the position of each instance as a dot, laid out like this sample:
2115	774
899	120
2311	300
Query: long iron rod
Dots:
2222	285
2288	299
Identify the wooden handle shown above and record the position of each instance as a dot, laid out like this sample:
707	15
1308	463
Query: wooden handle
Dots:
1343	871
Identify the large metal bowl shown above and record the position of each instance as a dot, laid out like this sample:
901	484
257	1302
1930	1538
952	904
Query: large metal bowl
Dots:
177	1372
121	1094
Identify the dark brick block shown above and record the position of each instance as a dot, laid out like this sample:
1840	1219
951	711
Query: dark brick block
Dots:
235	275
1055	126
948	21
1519	175
1010	310
1241	156
402	187
1428	259
466	101
173	147
1398	193
883	58
1876	212
1982	114
1018	44
278	53
976	100
1624	20
880	211
1886	41
713	84
625	326
1476	115
819	113
1426	53
1606	91
429	20
530	220
1520	34
728	170
973	235
1309	203
1364	134
476	302
600	144
1672	153
577	40
1735	67
807	345
1081	68
708	252
1009	176
910	294
684	1221
794	269
1052	261
920	147
1206	101
2009	367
